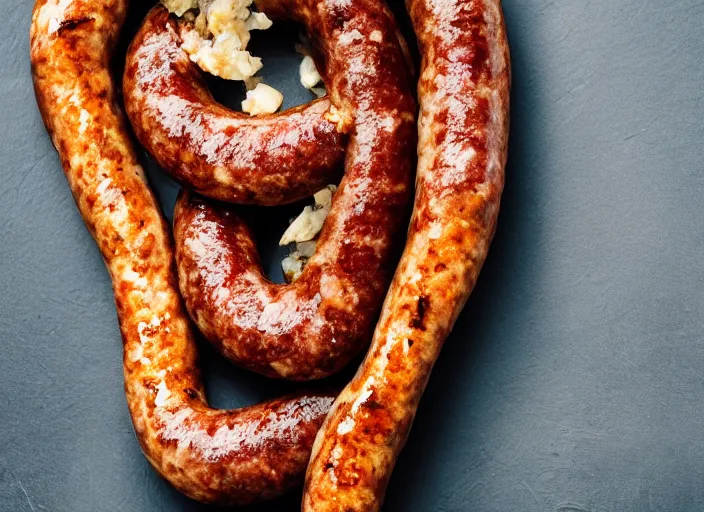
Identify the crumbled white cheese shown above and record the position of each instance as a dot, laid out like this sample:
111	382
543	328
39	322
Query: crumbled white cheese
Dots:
258	21
292	265
179	7
217	40
262	100
303	231
308	224
309	73
221	56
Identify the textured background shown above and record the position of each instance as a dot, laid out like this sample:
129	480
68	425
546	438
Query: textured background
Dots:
573	380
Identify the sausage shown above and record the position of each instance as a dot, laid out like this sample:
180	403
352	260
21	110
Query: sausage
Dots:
229	457
463	136
313	327
222	154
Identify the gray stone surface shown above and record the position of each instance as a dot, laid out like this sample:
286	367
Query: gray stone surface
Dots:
573	380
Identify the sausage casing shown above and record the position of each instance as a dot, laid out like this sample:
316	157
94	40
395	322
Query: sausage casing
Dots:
232	457
463	136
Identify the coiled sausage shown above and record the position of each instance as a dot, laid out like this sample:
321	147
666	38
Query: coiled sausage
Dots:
313	327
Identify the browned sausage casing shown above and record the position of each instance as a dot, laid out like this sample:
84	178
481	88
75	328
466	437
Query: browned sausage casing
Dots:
215	456
222	154
463	128
313	327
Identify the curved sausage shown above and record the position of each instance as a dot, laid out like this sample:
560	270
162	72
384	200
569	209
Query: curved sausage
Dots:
233	457
220	153
463	135
313	327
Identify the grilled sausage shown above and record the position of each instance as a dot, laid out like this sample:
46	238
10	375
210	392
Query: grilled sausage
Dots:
463	134
233	457
222	154
313	327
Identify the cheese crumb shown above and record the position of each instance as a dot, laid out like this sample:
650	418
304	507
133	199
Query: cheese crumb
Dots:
216	40
258	21
304	231
262	100
308	224
179	7
293	264
221	56
309	73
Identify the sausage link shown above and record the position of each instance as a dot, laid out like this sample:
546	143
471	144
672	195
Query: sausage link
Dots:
313	327
220	153
232	457
463	136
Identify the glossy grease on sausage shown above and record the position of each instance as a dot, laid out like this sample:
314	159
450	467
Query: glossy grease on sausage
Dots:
313	327
220	153
463	136
232	457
